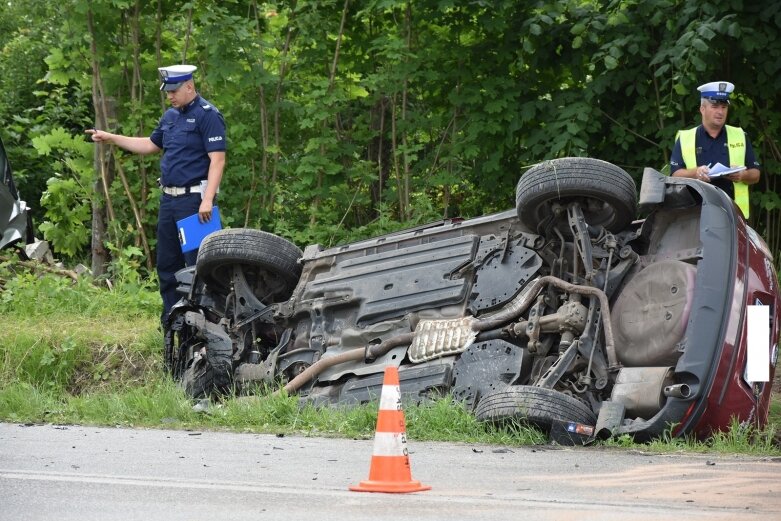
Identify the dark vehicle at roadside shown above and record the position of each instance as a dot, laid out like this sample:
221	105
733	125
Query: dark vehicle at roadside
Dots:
15	220
565	311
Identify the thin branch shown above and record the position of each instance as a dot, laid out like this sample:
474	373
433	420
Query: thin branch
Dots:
608	116
404	93
264	123
35	265
277	99
133	206
159	44
100	90
339	38
331	80
444	136
347	211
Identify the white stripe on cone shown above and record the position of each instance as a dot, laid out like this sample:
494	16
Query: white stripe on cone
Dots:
390	399
390	444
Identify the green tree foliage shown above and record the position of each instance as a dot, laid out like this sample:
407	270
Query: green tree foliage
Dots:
348	118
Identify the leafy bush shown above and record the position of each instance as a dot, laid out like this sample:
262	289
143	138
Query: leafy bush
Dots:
67	198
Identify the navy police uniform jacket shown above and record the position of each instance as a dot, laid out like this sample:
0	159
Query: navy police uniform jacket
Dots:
186	136
710	151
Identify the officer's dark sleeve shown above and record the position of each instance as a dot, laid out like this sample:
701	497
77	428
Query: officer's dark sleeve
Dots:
676	158
157	135
213	131
751	160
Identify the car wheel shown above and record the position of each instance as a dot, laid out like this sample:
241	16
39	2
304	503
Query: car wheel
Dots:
535	405
207	375
270	263
606	192
198	379
174	342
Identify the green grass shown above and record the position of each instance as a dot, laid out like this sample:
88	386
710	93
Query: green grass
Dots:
74	353
774	417
738	440
163	404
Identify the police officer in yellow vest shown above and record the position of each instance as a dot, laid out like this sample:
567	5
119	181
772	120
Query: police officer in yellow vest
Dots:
697	149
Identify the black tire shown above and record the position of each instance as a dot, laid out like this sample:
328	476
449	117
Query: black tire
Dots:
270	263
208	375
535	405
174	342
606	192
179	339
198	379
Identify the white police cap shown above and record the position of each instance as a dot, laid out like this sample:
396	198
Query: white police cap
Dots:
174	75
716	91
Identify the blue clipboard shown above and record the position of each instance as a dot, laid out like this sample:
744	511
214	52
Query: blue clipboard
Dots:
192	231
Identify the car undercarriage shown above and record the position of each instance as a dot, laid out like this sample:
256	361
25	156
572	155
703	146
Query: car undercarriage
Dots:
566	309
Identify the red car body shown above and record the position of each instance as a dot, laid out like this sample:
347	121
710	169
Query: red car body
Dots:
731	397
734	270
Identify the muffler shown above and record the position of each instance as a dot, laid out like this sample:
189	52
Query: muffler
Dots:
641	389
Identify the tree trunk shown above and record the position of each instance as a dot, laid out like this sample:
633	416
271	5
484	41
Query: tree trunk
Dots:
264	135
331	78
395	156
406	183
283	68
101	203
101	111
159	45
138	101
377	152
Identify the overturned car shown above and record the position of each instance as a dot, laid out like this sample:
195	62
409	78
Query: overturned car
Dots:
15	220
565	310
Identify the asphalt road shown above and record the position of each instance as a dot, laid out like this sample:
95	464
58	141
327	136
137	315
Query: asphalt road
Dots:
87	473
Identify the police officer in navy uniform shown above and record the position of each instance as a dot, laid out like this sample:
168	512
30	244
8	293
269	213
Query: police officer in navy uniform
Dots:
191	135
697	149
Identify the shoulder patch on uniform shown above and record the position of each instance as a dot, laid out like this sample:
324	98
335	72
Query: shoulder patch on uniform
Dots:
206	107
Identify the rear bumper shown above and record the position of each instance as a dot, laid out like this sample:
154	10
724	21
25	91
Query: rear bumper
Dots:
713	349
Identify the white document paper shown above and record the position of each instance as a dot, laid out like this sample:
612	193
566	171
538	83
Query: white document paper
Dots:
758	343
719	170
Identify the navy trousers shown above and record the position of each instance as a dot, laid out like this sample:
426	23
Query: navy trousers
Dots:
170	258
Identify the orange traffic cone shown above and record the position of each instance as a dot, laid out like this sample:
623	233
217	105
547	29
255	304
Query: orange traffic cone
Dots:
390	471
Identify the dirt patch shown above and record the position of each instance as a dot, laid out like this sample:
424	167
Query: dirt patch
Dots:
713	483
112	366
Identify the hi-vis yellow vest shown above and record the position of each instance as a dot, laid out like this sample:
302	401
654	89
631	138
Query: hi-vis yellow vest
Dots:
736	144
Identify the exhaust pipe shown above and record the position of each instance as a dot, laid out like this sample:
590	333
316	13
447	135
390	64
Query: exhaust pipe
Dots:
678	391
